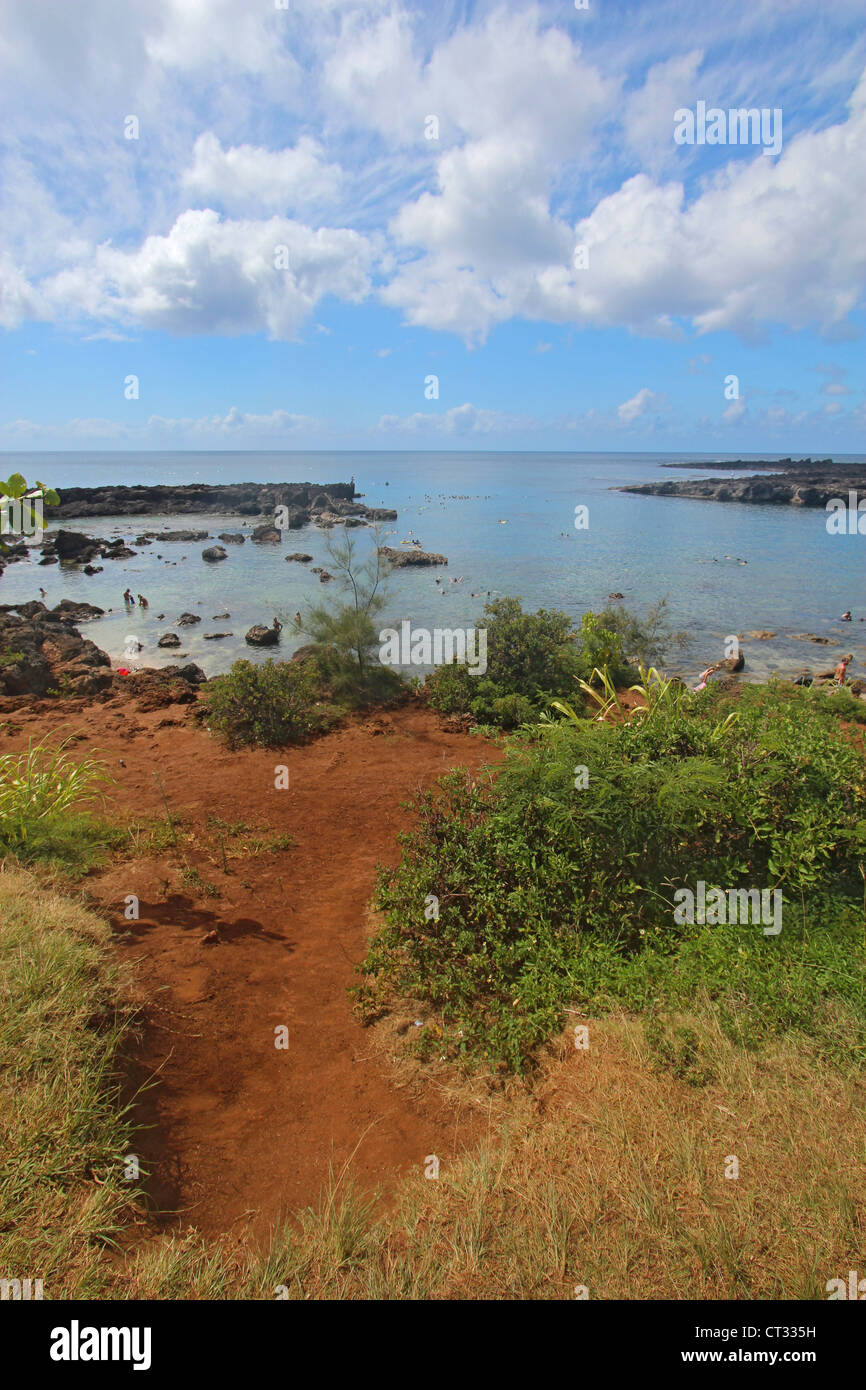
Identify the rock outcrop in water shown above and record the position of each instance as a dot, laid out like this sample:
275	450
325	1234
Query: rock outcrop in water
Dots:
190	499
402	559
803	484
259	636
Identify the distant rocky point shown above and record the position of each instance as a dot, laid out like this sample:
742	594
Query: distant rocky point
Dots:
804	484
783	465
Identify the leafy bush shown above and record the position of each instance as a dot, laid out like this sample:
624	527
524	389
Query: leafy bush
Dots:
271	705
550	895
530	655
601	650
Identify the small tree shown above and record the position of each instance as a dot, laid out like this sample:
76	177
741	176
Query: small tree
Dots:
647	638
343	628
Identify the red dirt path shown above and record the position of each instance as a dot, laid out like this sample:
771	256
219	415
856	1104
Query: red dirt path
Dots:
240	1131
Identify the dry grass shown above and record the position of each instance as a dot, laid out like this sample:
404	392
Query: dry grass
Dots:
610	1173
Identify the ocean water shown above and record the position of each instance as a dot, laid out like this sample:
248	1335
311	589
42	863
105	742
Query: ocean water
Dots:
506	523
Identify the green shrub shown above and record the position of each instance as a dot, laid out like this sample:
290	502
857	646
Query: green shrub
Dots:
531	655
270	705
552	894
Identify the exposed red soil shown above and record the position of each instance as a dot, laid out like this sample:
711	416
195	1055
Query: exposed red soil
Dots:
240	1131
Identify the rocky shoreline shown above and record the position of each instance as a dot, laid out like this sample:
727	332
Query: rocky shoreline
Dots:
43	654
805	484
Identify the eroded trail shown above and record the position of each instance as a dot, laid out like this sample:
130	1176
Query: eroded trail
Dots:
239	1129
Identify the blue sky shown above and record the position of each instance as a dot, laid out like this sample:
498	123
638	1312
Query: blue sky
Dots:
283	258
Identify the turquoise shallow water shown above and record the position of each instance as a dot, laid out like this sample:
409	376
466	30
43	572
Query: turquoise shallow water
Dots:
797	578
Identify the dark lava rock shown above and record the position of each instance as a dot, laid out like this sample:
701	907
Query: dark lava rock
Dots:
43	653
214	553
69	608
187	619
169	639
299	555
217	616
116	550
259	636
190	499
232	537
215	636
74	546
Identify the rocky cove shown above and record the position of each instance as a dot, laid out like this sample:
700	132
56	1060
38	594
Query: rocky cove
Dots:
236	571
42	653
